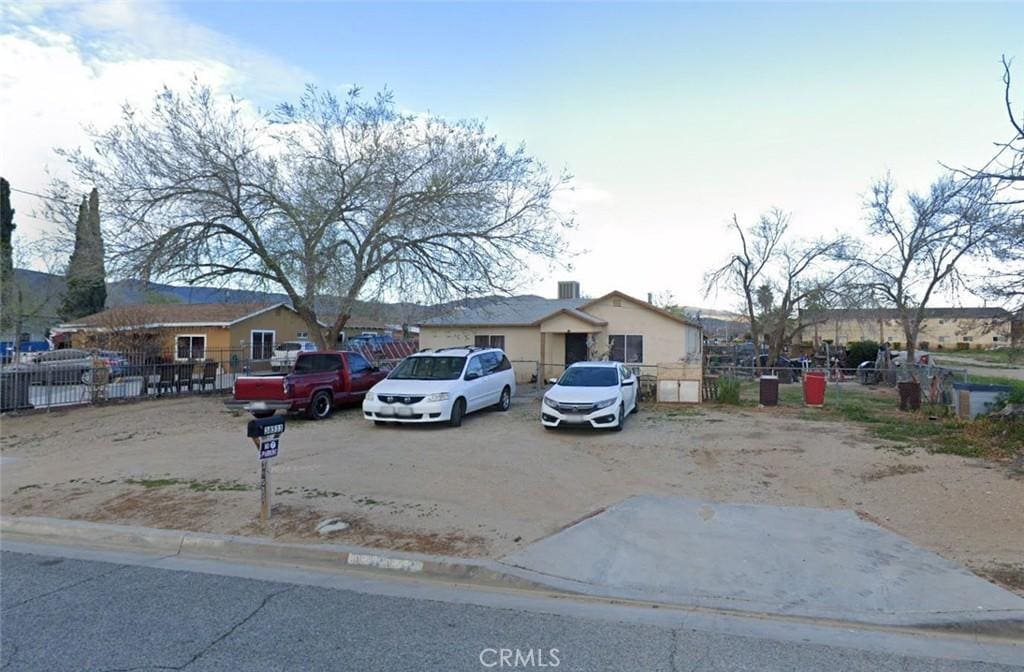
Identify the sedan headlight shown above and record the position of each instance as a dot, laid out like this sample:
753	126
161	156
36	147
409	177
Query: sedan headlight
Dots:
606	403
370	396
438	396
550	402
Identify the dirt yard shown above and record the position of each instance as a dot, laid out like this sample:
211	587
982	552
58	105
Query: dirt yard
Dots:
496	484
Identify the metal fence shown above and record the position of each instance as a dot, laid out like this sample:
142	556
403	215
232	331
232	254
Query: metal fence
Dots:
146	375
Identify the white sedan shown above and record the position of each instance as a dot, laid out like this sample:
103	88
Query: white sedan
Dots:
598	394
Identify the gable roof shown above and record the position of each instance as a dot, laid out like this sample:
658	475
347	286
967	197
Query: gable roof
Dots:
528	311
573	312
643	304
151	316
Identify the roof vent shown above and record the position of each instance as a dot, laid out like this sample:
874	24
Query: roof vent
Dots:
568	289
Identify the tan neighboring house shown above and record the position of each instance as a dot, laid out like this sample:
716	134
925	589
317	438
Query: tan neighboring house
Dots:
195	331
556	332
942	328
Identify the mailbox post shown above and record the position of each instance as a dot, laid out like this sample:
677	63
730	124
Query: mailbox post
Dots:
266	435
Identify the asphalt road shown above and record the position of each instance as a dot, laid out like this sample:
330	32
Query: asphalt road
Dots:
70	609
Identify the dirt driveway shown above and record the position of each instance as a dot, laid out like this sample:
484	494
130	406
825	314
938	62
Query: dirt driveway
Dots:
494	485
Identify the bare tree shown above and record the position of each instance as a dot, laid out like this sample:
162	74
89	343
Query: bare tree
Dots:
929	240
331	200
744	270
773	276
1005	281
798	277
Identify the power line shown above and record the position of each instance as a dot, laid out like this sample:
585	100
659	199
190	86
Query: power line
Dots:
43	196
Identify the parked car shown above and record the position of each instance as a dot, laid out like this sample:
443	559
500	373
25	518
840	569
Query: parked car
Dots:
10	352
598	394
442	386
287	352
69	365
372	342
317	383
780	363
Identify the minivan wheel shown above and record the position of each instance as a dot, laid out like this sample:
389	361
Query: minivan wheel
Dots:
505	402
458	411
319	406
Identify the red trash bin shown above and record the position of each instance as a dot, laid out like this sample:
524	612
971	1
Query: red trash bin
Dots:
814	388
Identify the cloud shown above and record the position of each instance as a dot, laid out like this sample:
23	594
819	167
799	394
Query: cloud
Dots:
578	195
72	65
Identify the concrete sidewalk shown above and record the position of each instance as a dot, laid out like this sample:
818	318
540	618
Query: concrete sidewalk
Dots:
782	560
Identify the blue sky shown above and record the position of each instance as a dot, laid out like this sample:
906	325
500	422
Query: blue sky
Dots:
672	116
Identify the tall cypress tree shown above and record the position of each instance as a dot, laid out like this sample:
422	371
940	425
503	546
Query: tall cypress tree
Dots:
6	264
86	276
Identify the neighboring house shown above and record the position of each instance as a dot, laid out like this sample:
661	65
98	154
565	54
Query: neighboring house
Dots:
197	331
942	328
557	332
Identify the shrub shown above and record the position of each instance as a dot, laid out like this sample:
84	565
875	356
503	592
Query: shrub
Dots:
729	391
860	351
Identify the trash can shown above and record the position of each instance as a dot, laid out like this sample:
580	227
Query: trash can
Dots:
14	388
814	388
910	395
769	395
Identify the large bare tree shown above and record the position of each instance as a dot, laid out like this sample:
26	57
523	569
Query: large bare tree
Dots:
927	239
332	200
773	274
1005	170
745	269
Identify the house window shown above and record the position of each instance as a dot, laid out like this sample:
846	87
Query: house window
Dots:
627	348
189	346
968	339
942	339
485	341
262	344
995	339
301	334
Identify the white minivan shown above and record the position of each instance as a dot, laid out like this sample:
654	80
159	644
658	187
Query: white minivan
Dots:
442	385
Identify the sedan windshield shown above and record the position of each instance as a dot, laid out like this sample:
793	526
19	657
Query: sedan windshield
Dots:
289	346
429	368
589	376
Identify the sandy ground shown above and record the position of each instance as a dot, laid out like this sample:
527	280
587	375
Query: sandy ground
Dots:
494	485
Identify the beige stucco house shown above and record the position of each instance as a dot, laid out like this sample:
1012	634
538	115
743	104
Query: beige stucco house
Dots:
942	328
544	335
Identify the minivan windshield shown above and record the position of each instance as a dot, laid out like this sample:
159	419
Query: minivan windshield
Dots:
429	368
589	376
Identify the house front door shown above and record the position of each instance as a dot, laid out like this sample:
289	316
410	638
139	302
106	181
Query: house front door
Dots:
575	348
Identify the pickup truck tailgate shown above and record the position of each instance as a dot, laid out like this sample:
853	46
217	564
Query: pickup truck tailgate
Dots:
259	388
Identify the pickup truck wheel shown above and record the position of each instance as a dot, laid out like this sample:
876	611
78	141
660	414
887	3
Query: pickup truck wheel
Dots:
262	414
458	410
319	406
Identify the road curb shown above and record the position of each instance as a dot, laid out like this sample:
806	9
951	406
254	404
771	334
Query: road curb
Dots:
183	543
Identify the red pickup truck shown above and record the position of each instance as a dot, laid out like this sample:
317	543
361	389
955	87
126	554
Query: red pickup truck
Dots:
317	383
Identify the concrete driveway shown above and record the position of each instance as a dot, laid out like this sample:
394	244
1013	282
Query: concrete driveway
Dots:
799	561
